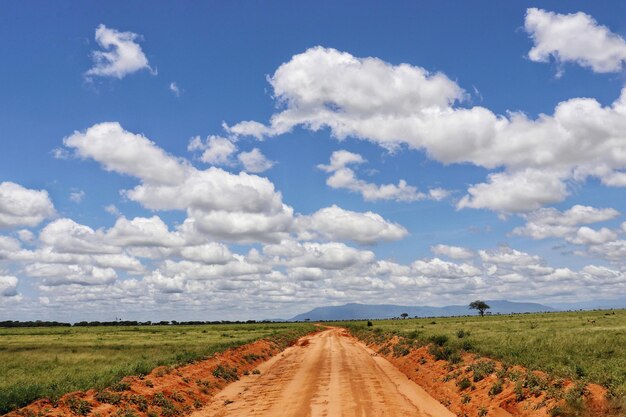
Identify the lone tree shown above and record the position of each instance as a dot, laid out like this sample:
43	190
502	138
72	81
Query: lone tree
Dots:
404	315
479	305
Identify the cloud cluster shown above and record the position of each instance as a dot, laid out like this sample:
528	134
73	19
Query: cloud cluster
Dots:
21	206
335	223
218	150
8	286
575	37
454	252
121	54
550	222
238	207
325	88
343	177
570	226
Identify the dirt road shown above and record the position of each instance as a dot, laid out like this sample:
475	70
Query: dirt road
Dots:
328	374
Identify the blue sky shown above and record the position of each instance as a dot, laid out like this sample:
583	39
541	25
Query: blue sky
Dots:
478	153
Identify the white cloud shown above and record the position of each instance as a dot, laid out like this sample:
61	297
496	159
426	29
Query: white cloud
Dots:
508	256
8	246
208	253
549	222
340	159
575	37
438	194
436	268
77	196
254	161
345	178
60	274
21	206
335	223
240	207
520	191
142	231
26	235
588	236
8	286
121	55
216	150
394	105
127	153
330	256
112	210
175	89
66	236
454	252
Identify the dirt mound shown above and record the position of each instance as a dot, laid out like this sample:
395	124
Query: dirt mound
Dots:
473	386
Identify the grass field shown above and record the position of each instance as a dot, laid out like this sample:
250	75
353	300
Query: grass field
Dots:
589	346
49	362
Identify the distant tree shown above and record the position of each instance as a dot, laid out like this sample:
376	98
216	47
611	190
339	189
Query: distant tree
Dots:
479	305
404	315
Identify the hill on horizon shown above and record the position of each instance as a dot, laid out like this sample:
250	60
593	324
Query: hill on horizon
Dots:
355	311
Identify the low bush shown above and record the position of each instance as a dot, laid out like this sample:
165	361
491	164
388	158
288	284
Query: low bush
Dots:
482	369
464	384
226	373
78	406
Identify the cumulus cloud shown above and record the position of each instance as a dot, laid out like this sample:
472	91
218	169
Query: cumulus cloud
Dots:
575	37
589	236
208	253
8	286
444	270
550	222
345	178
394	105
21	206
335	223
216	150
121	54
127	153
60	274
454	252
330	256
520	191
254	161
239	207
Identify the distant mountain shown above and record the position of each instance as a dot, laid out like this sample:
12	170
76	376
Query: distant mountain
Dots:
591	305
355	311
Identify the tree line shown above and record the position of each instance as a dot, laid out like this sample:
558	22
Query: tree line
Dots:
40	323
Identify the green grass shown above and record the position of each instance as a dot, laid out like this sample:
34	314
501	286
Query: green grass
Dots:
567	345
49	362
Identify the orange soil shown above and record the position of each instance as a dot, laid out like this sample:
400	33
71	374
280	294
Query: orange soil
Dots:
186	387
439	379
328	374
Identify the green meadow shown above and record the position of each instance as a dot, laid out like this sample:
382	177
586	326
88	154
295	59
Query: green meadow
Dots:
45	362
584	346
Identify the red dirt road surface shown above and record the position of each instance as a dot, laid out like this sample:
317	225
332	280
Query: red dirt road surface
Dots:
327	374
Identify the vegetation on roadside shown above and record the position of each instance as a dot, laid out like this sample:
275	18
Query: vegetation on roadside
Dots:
586	347
48	362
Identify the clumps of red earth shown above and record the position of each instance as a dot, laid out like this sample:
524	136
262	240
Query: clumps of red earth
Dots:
473	386
166	391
